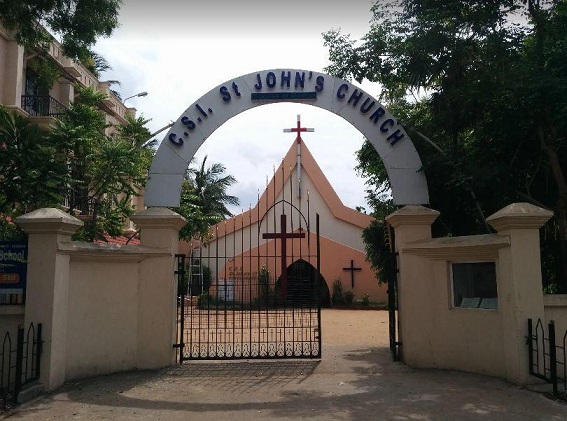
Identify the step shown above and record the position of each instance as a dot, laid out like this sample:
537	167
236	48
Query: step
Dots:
31	391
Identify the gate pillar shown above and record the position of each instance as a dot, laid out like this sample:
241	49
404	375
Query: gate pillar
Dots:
520	295
412	223
48	285
157	307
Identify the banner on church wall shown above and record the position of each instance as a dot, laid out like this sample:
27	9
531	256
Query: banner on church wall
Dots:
13	272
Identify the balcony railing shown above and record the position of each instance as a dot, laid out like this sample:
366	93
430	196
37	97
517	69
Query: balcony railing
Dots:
42	106
80	203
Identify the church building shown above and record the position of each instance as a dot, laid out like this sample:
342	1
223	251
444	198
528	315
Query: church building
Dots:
272	251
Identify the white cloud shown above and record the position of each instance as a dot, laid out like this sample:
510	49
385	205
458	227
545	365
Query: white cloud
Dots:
178	51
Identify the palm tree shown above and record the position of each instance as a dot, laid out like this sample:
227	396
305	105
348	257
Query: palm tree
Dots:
204	199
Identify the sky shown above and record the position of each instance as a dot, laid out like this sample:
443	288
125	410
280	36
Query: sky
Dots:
179	50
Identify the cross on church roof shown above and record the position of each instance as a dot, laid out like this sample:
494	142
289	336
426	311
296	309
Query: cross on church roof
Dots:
298	129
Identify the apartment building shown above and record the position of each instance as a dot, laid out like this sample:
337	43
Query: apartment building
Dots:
22	92
19	88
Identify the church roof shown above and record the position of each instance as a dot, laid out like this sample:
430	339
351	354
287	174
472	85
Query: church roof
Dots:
276	184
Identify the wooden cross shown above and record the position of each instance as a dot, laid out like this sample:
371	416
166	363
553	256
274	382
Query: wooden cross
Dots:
351	268
283	235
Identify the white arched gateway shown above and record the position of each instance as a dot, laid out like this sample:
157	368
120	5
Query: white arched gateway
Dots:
242	93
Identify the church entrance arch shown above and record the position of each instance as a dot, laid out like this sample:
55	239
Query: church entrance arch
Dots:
245	92
220	104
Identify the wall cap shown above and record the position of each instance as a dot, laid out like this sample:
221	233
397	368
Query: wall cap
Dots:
158	217
82	251
412	215
555	300
471	247
519	216
49	220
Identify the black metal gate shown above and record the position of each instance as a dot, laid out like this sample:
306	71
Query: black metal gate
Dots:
547	355
392	273
20	362
254	290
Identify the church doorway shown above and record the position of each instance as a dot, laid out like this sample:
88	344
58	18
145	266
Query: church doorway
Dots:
301	276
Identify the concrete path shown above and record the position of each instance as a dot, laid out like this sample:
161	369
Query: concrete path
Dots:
353	381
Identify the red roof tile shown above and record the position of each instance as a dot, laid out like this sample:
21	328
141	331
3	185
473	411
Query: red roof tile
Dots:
121	240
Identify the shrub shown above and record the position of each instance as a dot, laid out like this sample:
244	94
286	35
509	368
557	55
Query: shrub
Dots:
349	297
550	289
337	297
266	294
204	301
365	302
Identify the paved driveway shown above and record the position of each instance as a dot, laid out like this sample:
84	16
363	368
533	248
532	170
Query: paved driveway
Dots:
355	380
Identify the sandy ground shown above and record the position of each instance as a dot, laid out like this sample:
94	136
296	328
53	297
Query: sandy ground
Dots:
355	380
366	328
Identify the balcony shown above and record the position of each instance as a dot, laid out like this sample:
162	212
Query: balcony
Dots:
83	206
42	106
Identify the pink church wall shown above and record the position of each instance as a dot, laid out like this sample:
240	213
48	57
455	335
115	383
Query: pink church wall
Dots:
243	268
341	231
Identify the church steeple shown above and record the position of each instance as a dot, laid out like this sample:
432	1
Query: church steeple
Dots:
298	140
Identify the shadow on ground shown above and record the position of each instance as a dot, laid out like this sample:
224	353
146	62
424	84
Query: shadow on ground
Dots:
345	384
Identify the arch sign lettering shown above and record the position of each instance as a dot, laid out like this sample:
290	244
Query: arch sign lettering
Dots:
242	93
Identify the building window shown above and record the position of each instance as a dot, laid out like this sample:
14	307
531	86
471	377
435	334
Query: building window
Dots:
36	100
474	285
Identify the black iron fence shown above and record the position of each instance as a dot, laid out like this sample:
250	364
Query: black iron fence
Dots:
19	362
42	106
547	355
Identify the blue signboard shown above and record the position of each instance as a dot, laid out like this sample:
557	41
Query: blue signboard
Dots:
13	271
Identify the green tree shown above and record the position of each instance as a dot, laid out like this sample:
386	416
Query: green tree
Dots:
32	169
78	23
96	172
480	87
106	170
204	199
